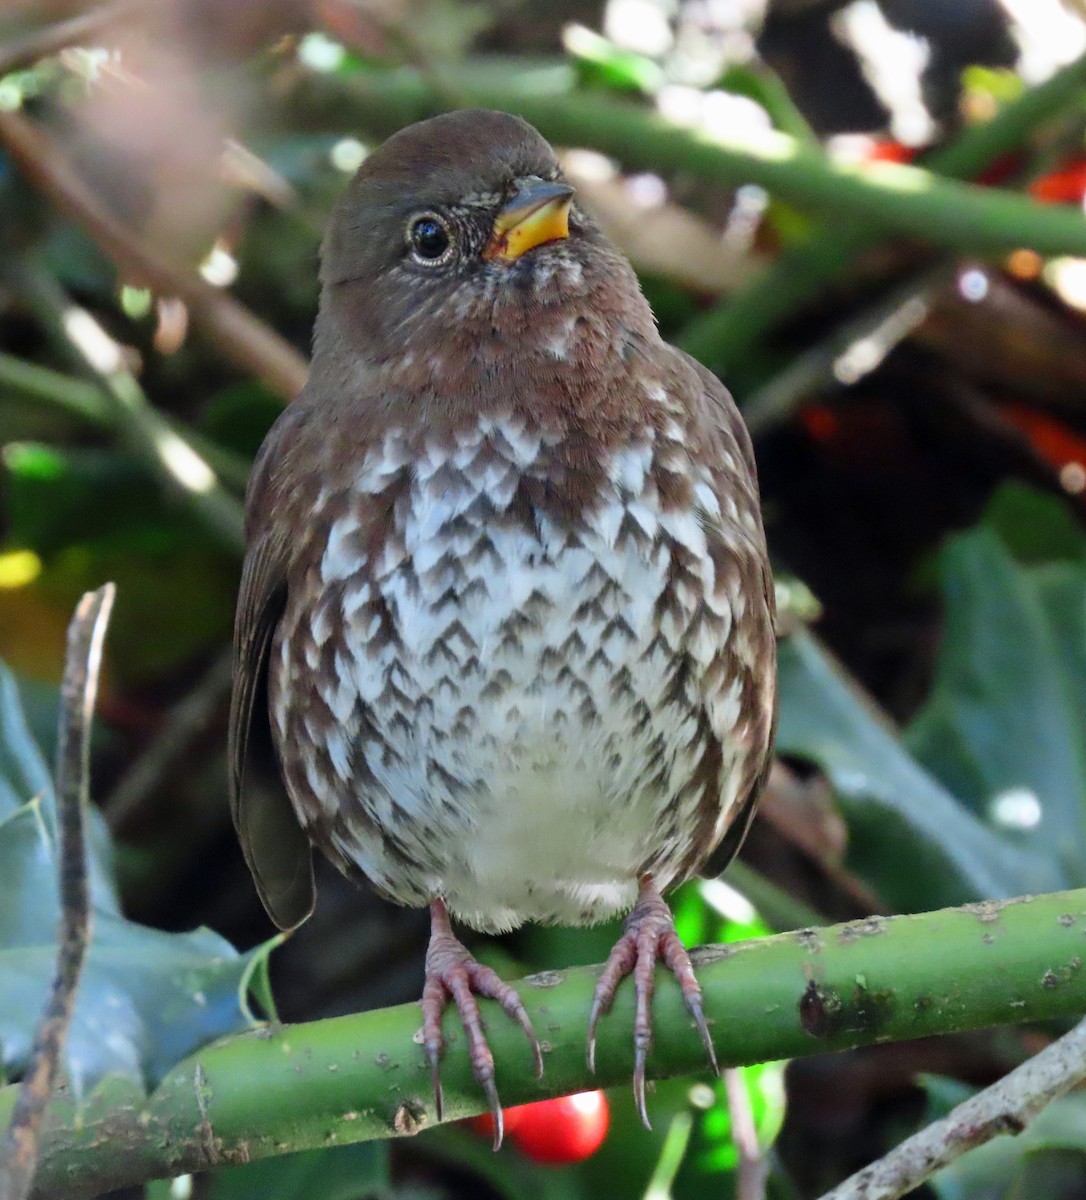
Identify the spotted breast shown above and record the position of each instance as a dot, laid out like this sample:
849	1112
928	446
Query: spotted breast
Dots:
510	706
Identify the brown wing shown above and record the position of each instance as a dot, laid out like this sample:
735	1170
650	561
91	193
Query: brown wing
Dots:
733	434
275	846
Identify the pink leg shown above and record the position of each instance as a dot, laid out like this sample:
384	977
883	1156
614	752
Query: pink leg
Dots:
649	936
451	972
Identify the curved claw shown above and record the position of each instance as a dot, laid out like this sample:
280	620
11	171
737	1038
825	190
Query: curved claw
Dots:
434	1058
452	973
490	1090
594	1015
649	937
694	1007
513	1007
640	1053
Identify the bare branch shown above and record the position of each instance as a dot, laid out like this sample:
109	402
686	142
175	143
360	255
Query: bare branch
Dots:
239	333
51	39
1006	1107
753	1168
19	1155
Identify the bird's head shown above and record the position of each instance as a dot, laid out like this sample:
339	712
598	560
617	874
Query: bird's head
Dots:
461	229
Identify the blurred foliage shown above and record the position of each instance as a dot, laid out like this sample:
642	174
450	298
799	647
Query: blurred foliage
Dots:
146	998
932	717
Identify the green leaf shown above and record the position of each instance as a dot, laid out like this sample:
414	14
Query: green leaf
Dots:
146	998
909	835
600	62
1035	526
24	779
1062	591
1003	726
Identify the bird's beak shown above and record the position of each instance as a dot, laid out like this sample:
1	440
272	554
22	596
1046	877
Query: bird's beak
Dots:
537	214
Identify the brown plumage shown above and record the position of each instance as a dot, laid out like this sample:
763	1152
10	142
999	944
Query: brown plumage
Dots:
506	618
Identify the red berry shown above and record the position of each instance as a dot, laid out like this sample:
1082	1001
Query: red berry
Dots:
887	150
568	1129
1065	186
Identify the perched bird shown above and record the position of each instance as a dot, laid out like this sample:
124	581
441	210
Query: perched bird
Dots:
505	629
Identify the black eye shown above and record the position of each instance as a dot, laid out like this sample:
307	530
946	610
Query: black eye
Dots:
429	238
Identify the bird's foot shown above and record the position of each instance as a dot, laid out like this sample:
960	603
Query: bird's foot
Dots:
649	936
453	973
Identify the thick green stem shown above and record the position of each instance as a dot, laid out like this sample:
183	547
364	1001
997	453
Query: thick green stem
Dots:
723	335
865	203
881	196
362	1077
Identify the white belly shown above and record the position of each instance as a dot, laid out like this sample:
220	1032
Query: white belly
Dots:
553	799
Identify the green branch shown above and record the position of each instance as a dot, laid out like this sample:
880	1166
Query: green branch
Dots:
864	204
363	1077
884	196
723	335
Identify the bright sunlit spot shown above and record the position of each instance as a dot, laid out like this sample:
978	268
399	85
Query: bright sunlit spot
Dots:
1048	36
90	62
1067	278
973	285
135	301
220	268
11	95
1016	808
1073	477
893	63
725	115
18	568
589	165
868	352
348	154
99	349
646	190
186	466
320	53
181	1187
724	899
639	25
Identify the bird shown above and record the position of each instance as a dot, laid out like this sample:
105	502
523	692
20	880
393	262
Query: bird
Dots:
504	643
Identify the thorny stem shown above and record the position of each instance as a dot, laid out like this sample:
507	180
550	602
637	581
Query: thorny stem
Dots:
925	203
363	1077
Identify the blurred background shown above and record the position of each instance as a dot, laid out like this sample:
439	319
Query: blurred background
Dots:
914	374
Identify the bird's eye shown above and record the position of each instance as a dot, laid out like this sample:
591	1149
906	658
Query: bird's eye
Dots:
429	239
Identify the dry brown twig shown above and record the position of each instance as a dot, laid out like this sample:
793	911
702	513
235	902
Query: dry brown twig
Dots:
1006	1107
51	39
86	634
753	1172
234	329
